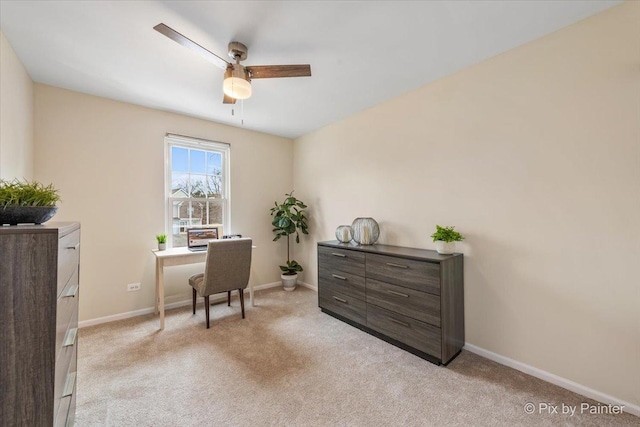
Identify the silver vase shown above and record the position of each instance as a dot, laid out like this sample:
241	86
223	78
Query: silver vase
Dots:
365	231
343	233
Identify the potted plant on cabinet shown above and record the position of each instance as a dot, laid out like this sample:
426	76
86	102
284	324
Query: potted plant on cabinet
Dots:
446	238
27	202
289	218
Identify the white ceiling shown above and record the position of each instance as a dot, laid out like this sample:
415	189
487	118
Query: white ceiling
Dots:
361	53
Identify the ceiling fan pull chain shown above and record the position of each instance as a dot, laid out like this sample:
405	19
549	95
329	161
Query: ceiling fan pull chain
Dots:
242	112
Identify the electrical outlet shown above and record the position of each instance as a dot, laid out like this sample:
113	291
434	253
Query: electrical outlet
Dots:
133	287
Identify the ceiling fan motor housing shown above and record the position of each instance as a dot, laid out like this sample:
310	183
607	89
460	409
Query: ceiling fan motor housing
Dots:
238	71
238	51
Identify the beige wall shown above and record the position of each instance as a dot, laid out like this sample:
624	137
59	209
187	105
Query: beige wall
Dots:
107	159
534	155
16	116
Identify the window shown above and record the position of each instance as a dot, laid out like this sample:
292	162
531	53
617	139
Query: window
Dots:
196	186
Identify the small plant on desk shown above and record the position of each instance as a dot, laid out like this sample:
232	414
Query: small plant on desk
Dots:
162	241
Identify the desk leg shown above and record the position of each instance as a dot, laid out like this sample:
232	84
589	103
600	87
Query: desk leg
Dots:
155	302
160	285
251	294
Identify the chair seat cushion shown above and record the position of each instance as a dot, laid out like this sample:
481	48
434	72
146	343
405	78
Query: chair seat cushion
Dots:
196	281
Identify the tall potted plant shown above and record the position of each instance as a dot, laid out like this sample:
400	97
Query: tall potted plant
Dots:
289	218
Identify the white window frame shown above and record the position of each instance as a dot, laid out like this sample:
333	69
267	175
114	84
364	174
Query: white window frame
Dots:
224	149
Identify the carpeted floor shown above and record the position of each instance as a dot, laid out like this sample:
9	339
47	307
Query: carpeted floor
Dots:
288	364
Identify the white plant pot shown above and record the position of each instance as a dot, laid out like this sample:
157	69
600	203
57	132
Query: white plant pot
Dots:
289	282
162	246
445	248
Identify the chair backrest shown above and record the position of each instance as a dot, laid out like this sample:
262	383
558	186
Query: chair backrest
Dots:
228	265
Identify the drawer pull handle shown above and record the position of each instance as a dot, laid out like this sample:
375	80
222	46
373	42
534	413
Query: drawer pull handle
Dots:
337	254
393	264
69	384
339	277
400	294
70	338
73	290
399	322
75	247
340	299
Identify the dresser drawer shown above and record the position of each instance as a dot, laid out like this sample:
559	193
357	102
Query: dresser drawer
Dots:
346	283
412	332
63	412
419	275
343	260
409	302
68	257
65	374
330	298
71	418
65	417
66	307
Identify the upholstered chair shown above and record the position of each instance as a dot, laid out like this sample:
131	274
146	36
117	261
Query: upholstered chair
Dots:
226	269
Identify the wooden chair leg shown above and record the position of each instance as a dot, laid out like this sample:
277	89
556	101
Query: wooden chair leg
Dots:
194	300
206	309
229	298
241	292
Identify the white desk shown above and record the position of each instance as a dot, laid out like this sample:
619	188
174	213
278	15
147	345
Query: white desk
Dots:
176	256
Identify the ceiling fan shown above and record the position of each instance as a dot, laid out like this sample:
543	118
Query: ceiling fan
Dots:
237	77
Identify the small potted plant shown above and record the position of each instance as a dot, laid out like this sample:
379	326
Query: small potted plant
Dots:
27	202
289	218
162	241
446	238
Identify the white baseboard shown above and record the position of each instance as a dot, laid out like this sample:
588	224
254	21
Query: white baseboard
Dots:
308	286
178	301
554	379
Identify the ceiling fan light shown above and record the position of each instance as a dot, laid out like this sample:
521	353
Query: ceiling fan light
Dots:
237	88
236	82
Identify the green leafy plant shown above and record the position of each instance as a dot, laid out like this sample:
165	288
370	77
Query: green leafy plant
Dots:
446	234
161	238
27	193
289	218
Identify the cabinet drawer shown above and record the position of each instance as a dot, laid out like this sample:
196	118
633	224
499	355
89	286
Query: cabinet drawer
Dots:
341	260
412	332
346	283
63	412
409	302
67	305
71	418
68	257
65	374
352	308
419	275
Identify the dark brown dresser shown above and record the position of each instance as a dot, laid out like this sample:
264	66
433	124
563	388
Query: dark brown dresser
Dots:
39	282
411	298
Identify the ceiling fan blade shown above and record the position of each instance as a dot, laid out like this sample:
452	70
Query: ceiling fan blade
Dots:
186	42
273	71
228	100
